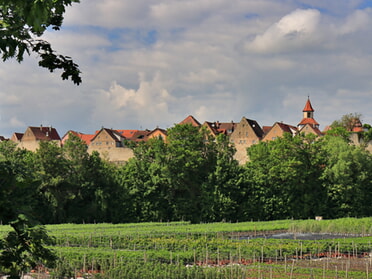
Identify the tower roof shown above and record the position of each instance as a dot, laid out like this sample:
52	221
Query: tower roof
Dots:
308	106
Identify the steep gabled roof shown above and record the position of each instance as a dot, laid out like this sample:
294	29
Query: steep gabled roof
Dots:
190	120
45	133
17	136
164	132
256	128
211	127
308	107
86	138
310	121
116	136
287	128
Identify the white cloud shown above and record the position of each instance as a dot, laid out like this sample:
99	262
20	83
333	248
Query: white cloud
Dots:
144	106
214	59
357	21
295	31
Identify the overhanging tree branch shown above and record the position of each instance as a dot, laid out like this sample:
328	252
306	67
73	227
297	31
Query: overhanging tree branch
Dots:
22	23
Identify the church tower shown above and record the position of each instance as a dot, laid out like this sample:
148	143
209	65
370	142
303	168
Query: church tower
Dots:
308	116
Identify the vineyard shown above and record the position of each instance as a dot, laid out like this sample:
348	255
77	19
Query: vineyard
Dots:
216	250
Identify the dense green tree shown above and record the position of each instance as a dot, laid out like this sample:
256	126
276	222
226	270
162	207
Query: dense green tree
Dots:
347	178
283	179
24	248
22	23
190	159
17	182
221	190
106	200
145	178
80	175
53	171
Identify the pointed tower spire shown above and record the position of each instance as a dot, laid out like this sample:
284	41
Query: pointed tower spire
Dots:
308	109
308	116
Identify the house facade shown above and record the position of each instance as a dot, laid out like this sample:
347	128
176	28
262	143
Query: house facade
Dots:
158	133
31	138
246	133
110	144
278	130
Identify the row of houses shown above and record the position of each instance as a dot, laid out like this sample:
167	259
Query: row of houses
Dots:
111	143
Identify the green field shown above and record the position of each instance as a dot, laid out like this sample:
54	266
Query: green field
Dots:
216	250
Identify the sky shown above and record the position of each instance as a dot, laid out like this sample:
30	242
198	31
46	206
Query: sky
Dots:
151	63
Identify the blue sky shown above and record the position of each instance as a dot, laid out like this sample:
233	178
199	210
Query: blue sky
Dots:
150	63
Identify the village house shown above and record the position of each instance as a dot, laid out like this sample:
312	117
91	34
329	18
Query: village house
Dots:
216	128
113	144
246	133
158	133
31	138
190	120
16	137
86	138
278	130
110	144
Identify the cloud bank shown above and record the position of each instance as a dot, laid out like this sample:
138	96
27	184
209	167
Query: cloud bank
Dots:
150	63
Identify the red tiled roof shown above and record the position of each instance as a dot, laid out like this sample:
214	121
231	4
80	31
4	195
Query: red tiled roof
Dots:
311	121
190	120
127	133
308	106
86	138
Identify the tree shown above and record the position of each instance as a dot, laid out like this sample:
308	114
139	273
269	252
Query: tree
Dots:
347	178
22	23
190	159
348	121
221	190
24	248
145	177
52	169
17	182
284	179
